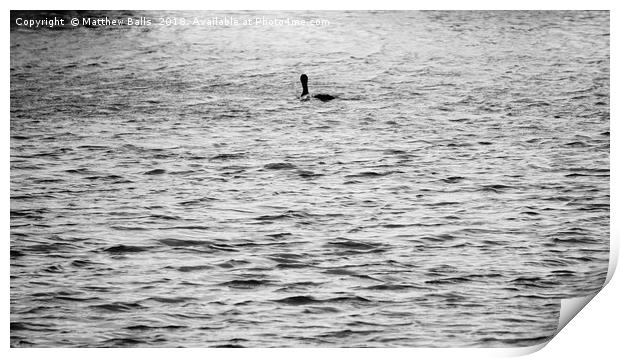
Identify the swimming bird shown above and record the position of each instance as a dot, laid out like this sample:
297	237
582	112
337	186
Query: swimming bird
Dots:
305	95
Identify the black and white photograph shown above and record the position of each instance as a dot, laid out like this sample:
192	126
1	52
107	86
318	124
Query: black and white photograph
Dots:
306	178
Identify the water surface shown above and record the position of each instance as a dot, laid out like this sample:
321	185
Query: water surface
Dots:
169	189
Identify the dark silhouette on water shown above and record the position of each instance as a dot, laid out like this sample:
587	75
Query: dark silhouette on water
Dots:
305	95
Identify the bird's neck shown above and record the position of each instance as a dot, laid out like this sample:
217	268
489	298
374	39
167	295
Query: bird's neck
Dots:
305	89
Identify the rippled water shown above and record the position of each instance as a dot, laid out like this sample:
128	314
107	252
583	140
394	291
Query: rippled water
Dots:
168	188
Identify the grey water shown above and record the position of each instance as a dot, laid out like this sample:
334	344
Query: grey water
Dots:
169	189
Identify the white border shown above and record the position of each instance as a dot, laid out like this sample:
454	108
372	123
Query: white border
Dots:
590	333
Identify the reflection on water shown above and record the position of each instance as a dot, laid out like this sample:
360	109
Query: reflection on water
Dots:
169	189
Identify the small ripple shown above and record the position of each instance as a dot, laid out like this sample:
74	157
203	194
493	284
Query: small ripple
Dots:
227	156
155	172
372	174
279	166
246	284
117	306
126	249
123	342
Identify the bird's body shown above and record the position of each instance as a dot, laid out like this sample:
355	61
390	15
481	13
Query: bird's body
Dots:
324	97
305	95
